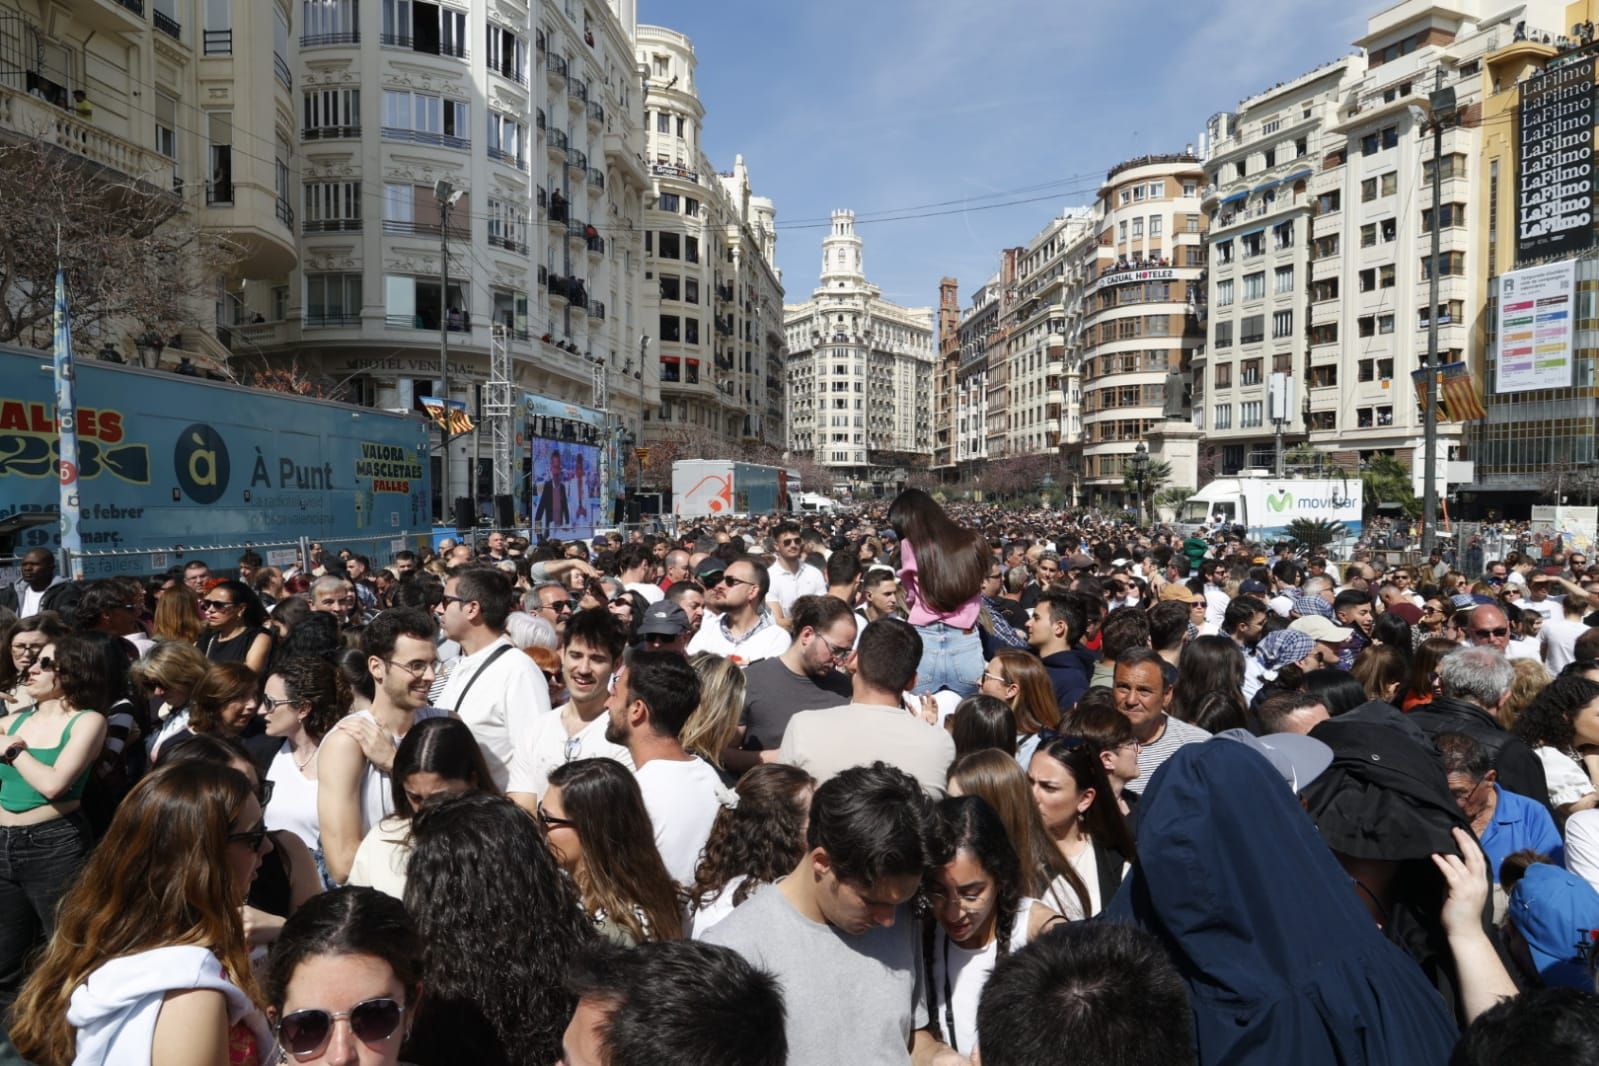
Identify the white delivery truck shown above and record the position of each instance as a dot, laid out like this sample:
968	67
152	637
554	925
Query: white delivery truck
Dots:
712	488
1265	505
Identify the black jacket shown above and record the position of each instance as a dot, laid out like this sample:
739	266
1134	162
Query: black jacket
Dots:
1520	770
11	597
1066	674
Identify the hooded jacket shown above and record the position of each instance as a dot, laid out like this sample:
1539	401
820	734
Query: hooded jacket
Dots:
1520	770
1282	961
114	1012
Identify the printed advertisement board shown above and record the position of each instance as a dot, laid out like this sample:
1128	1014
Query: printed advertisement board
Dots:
1555	173
1535	327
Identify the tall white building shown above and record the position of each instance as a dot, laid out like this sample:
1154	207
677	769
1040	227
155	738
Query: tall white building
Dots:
1262	305
713	293
860	372
1038	413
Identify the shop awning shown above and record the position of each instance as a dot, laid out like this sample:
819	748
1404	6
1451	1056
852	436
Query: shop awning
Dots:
1235	197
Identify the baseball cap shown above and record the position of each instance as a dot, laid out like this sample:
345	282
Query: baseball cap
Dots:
1252	588
1464	599
1283	647
1557	913
1316	627
1176	590
710	567
664	618
1299	759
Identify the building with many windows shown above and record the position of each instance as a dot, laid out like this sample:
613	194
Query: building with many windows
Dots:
860	373
1037	414
980	341
949	356
1260	301
713	294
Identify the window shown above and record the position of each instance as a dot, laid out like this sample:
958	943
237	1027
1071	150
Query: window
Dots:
1250	414
507	53
507	225
1450	313
1251	245
691	290
1223	416
332	206
1190	188
669	202
1366	326
1254	286
414	303
218	36
1325	247
328	22
1224	252
691	249
1451	214
1368	279
1249	372
1224	335
1224	293
691	207
1388	230
1390	136
1329	202
332	113
425	27
1191	223
507	140
1324	289
663	122
1155	225
670	245
1138	227
219	180
671	328
1454	166
671	287
1283	235
332	299
1385	323
1252	330
280	47
1121	231
1224	375
166	125
1368	190
425	119
1368	235
1283	280
1389	183
1282	324
399	208
1385	276
691	331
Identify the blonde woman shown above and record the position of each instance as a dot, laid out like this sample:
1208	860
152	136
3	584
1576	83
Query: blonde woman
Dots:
168	673
714	724
1531	677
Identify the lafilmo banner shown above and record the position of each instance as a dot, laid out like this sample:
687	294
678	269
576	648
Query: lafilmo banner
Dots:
1555	187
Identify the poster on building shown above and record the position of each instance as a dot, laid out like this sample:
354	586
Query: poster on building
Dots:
1535	328
1555	174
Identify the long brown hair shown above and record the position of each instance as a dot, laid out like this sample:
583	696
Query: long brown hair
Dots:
159	878
760	840
1036	706
621	872
951	560
995	776
177	616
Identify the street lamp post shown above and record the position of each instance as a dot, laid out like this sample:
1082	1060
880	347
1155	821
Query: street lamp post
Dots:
1140	472
446	194
1442	101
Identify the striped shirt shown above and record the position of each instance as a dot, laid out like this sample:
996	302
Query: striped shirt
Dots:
1152	755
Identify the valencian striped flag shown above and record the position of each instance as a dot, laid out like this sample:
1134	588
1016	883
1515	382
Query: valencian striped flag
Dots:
67	426
1456	391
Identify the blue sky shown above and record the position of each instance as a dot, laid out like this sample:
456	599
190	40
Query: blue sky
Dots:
876	105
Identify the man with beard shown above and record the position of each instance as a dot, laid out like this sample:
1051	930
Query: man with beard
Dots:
654	695
354	760
576	729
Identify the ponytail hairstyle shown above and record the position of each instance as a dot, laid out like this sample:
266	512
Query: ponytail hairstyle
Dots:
320	684
969	824
951	560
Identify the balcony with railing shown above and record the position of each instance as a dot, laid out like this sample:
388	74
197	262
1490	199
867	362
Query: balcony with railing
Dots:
329	133
555	140
515	159
216	42
456	321
596	180
510	244
596	113
167	24
332	319
538	119
218	192
577	92
328	40
447	49
437	140
115	16
330	225
35	117
577	159
555	66
280	67
597	309
596	244
285	213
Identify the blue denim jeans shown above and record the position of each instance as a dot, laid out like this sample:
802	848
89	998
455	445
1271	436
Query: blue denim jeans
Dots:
38	863
950	659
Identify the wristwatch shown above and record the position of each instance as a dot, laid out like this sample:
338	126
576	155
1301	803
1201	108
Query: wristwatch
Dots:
11	756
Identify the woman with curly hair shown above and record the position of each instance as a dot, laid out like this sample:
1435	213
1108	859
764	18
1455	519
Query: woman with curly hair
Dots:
24	641
1018	677
304	698
150	964
994	777
600	832
980	912
755	843
713	726
499	927
1562	726
1532	677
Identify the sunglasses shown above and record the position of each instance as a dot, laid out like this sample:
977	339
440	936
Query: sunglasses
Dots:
557	606
730	581
216	605
251	838
1500	632
45	665
549	821
306	1032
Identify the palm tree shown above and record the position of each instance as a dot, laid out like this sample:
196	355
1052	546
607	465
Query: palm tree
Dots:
1313	534
1157	475
1387	480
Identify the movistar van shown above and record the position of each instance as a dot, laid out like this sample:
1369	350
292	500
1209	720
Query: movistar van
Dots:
1265	505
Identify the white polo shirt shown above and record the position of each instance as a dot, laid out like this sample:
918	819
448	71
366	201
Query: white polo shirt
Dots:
788	587
766	640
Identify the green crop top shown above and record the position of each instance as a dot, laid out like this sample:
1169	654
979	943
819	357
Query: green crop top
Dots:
16	795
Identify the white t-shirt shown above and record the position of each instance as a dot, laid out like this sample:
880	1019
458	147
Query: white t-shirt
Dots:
1559	639
766	641
651	593
381	860
787	587
682	798
501	706
548	745
1567	779
1524	648
960	974
293	803
701	921
1547	608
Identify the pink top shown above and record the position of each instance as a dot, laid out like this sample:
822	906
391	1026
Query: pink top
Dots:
921	612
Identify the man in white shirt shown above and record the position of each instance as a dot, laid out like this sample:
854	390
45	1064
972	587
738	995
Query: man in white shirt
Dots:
494	688
654	695
592	652
1559	635
745	631
636	568
791	576
1538	600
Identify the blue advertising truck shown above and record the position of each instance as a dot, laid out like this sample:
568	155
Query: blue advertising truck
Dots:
175	468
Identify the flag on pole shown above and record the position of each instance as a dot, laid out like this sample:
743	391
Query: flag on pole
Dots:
67	427
1457	393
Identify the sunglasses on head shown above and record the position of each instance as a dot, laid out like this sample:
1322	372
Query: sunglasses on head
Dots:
306	1032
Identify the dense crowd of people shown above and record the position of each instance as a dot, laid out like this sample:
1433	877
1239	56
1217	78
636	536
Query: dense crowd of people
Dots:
895	784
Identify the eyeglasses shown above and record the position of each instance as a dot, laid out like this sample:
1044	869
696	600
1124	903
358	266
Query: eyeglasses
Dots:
996	678
306	1032
447	600
1502	631
557	606
834	651
549	821
216	605
45	665
272	704
729	580
416	668
32	651
552	676
250	837
788	542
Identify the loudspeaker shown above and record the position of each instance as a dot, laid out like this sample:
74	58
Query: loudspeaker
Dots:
504	511
465	513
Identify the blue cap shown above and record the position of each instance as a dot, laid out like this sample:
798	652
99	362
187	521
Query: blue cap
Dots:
1463	599
1284	646
1252	588
1557	914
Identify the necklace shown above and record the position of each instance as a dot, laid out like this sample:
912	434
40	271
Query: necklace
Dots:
299	764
